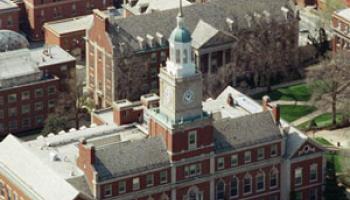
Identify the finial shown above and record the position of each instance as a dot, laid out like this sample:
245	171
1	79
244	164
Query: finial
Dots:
180	9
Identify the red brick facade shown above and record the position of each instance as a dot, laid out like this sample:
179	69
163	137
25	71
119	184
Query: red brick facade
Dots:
9	17
26	107
341	28
39	11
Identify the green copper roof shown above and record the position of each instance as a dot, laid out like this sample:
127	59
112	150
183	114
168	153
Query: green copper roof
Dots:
181	35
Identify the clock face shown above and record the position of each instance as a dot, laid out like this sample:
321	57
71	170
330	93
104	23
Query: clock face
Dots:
168	93
188	96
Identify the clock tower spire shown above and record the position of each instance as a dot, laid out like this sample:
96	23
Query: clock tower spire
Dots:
180	82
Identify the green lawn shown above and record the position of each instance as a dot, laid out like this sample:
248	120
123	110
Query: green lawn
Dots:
322	141
300	92
293	112
322	121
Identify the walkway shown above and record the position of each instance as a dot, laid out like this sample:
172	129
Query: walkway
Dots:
306	118
334	136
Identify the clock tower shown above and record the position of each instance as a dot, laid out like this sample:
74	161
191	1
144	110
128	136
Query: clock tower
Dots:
180	82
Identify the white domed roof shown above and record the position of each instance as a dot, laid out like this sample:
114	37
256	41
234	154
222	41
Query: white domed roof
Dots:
10	40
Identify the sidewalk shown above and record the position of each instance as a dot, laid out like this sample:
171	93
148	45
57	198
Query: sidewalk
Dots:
306	118
335	136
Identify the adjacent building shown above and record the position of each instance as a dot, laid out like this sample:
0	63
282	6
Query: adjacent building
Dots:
139	7
31	82
69	34
9	15
170	147
341	29
231	43
37	12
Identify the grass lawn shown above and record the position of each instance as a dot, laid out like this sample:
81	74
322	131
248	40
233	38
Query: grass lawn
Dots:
293	112
322	141
300	92
322	121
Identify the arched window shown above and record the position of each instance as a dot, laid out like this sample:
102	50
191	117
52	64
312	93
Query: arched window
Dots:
194	194
247	183
273	178
260	182
234	187
185	56
220	190
178	56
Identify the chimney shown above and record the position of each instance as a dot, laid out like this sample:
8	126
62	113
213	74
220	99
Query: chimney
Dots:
265	103
86	153
230	100
276	113
230	23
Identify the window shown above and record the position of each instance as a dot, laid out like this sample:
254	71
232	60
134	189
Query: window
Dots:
1	114
261	153
9	21
193	170
273	178
149	180
298	195
234	160
51	103
177	55
25	109
12	98
121	186
12	112
39	120
313	194
163	177
260	182
51	90
247	157
64	68
136	183
25	95
13	125
1	100
220	163
15	196
185	56
74	9
26	123
192	139
247	184
234	187
220	190
107	190
313	172
38	106
154	57
39	92
298	176
273	151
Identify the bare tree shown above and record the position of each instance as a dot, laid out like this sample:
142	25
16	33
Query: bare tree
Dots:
330	83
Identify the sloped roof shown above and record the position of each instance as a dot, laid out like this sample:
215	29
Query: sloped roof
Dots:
234	133
40	181
214	13
130	157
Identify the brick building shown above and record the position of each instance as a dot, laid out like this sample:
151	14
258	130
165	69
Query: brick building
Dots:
136	7
9	15
37	12
30	83
69	35
341	30
124	54
170	147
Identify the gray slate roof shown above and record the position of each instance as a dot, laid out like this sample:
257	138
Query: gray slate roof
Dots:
214	13
234	133
125	158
